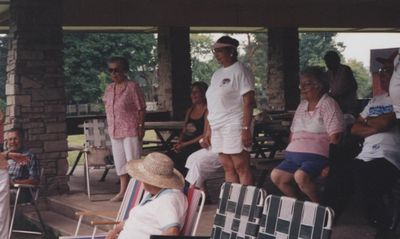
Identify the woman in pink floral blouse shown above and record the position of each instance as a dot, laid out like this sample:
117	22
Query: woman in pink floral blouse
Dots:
125	110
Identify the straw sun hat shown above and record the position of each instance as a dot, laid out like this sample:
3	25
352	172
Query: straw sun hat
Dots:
156	169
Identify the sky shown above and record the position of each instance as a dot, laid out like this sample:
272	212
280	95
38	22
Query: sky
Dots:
358	45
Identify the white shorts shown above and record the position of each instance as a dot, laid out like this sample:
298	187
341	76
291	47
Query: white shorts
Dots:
4	203
228	140
201	165
125	149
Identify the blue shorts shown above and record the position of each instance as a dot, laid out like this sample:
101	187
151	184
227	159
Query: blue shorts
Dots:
310	163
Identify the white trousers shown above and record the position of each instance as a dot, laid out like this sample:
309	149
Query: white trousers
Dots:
124	150
4	203
202	164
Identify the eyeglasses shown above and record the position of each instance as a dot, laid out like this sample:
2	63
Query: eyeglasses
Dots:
114	70
306	85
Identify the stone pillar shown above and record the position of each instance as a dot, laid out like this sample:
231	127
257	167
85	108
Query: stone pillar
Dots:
175	74
35	85
283	68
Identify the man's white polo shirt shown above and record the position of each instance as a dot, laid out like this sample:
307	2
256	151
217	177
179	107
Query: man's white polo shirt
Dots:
155	215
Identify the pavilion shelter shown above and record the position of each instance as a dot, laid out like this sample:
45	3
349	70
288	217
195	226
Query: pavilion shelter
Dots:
35	83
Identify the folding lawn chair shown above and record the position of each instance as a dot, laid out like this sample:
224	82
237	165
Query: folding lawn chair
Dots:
97	149
196	199
33	193
238	213
133	195
285	217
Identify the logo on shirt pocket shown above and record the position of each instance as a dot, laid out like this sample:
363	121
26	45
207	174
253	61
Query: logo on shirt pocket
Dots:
376	147
225	82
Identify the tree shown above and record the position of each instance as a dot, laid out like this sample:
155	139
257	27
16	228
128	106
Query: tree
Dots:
203	64
362	77
312	47
85	56
255	56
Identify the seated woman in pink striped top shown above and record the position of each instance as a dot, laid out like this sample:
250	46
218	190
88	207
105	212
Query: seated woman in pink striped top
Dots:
317	123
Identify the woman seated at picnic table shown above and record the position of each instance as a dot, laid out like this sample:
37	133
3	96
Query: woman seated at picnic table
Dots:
317	123
193	128
163	210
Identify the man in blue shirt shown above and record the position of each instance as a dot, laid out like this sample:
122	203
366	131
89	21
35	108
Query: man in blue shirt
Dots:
21	174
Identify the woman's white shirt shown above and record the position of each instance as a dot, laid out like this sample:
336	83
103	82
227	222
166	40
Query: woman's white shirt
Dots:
225	95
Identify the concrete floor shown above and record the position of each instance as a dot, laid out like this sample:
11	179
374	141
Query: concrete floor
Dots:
350	225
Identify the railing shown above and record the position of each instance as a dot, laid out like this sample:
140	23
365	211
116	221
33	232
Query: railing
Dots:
98	108
85	109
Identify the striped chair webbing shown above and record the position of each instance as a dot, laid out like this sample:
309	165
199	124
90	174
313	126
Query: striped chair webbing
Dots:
285	217
239	211
96	133
133	195
196	199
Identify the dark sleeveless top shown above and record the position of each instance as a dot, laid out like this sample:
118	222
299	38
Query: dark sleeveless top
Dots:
193	128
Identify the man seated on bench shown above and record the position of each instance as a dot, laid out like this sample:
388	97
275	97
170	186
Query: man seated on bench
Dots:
21	174
378	164
163	210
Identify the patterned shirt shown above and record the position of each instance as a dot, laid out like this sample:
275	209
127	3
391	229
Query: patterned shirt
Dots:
122	109
311	130
29	171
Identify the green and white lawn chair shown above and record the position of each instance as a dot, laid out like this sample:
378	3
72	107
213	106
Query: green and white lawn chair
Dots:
239	211
285	217
238	214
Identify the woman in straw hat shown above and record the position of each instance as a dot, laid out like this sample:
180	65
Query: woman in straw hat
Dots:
230	103
163	210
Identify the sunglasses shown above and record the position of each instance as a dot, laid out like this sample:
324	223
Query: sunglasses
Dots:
114	70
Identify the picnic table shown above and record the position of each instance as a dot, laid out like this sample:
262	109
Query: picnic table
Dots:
166	132
271	135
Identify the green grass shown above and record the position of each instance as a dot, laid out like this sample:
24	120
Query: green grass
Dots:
75	140
78	140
